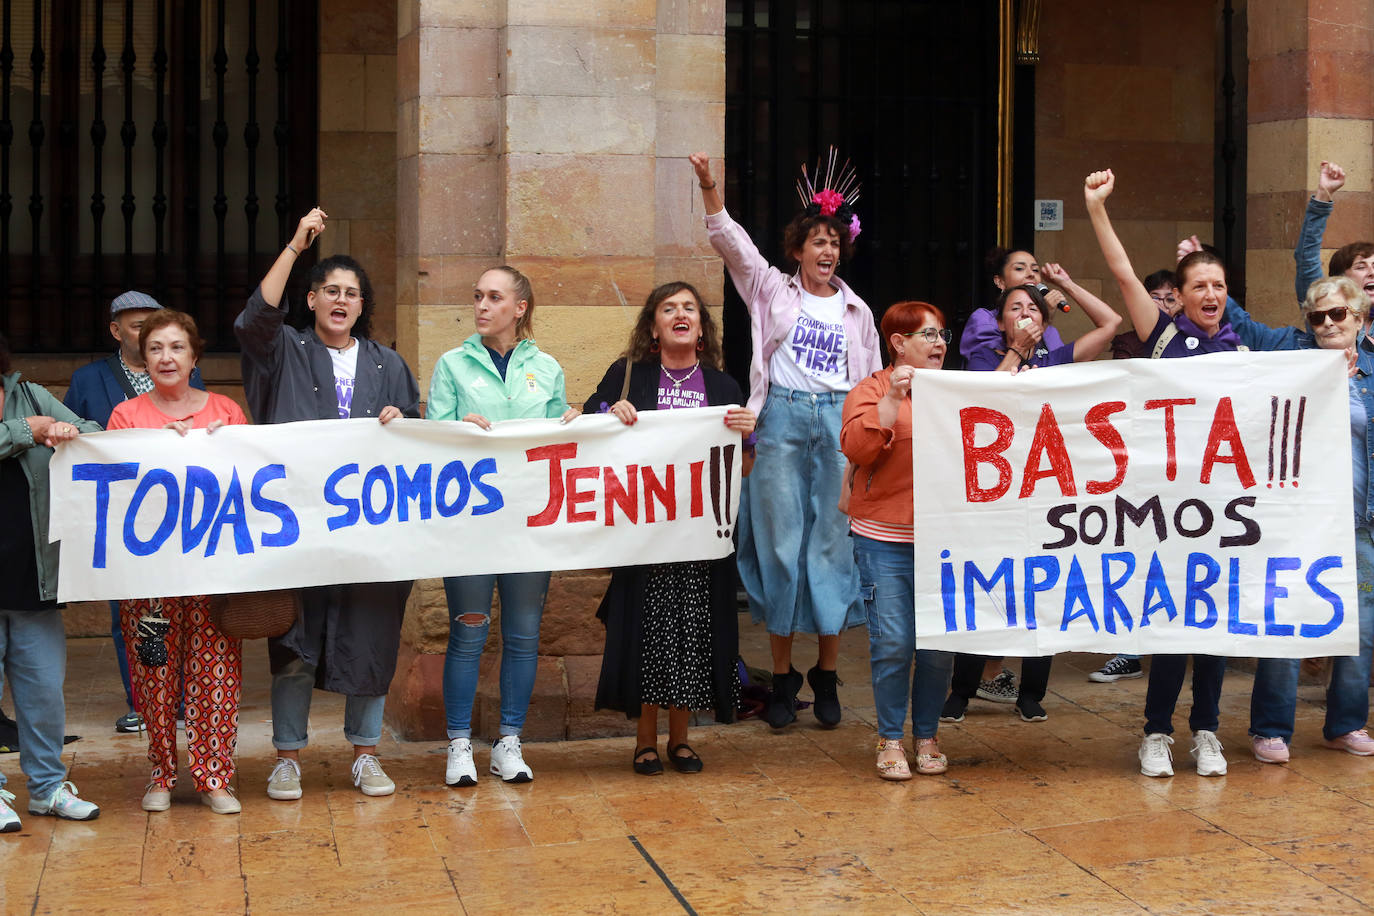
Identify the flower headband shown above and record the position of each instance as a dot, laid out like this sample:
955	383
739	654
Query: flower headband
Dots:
835	195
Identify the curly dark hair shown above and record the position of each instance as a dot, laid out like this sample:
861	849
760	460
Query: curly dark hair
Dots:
642	337
799	230
325	266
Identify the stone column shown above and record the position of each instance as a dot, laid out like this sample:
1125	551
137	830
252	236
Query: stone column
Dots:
551	136
1311	98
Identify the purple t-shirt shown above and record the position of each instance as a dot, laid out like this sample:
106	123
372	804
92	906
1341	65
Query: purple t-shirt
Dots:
691	392
988	359
981	331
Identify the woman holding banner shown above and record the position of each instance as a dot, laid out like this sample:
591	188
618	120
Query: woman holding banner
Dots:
814	340
1335	310
1023	319
1197	328
672	631
496	374
33	643
877	438
178	650
347	636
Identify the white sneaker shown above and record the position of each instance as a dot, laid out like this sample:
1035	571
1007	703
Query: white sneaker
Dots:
285	782
369	776
1206	751
9	818
461	771
64	803
507	761
1155	757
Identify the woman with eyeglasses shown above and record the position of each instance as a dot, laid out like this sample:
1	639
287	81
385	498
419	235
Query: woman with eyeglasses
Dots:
1335	310
876	436
347	636
1163	289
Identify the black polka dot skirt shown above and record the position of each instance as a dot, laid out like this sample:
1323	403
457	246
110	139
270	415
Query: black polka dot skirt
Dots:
675	664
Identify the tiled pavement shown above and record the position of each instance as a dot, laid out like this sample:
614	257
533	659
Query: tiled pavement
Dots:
1050	817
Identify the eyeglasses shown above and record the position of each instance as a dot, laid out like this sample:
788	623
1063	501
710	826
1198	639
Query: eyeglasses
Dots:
930	335
1317	317
335	293
1164	299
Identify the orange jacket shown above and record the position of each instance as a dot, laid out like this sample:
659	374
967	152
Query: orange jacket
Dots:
882	486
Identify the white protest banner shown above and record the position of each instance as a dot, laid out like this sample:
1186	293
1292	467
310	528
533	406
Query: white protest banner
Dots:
146	513
1140	506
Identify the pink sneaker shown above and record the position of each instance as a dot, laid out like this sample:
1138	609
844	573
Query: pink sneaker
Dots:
1269	750
1357	742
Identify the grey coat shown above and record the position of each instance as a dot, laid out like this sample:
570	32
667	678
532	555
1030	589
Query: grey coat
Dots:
350	632
25	399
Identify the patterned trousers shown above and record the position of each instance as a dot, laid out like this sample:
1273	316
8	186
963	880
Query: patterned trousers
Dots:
209	665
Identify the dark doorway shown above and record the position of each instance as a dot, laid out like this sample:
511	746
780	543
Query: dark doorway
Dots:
907	89
157	145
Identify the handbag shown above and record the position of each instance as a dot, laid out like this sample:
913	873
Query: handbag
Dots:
255	615
851	470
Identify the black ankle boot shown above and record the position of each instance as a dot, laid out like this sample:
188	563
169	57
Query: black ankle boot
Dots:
782	706
827	700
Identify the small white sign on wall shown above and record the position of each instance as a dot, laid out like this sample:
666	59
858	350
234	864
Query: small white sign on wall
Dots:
1049	215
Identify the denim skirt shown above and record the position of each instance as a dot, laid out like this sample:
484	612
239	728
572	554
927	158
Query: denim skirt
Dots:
795	558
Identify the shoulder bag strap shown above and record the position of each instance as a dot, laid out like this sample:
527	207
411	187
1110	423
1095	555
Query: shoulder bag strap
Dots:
121	377
625	388
1169	333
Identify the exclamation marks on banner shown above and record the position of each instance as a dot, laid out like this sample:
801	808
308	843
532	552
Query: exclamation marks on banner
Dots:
1288	439
722	472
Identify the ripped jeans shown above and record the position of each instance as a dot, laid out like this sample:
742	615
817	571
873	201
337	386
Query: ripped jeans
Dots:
522	608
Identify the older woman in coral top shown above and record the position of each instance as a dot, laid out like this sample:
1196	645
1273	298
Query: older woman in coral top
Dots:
178	649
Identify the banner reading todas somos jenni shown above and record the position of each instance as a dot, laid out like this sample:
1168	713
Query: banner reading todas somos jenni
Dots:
146	513
1141	506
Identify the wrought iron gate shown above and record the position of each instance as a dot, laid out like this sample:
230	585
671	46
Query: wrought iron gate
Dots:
157	133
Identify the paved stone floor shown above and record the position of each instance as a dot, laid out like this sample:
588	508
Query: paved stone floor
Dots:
1050	817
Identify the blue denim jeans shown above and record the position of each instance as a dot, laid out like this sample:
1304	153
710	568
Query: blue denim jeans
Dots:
886	582
292	689
1274	702
33	654
794	555
522	609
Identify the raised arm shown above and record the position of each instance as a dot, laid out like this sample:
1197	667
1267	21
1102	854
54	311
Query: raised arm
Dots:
1307	253
309	229
1107	321
1097	187
710	191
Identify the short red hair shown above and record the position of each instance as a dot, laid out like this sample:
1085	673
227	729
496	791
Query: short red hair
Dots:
906	317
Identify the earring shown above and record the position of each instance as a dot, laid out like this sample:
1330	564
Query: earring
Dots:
653	346
701	345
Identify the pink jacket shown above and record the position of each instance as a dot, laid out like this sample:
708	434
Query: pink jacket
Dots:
774	301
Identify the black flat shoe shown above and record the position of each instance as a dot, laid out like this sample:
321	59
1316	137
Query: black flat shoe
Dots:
649	766
690	763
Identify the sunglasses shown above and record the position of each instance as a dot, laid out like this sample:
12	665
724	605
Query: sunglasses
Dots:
1317	317
930	335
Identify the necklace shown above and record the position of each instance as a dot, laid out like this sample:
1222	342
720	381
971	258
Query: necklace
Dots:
342	349
677	382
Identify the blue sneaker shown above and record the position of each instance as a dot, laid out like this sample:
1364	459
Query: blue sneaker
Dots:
9	818
64	803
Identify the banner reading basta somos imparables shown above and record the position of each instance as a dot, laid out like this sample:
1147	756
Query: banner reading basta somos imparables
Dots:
147	513
1141	506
